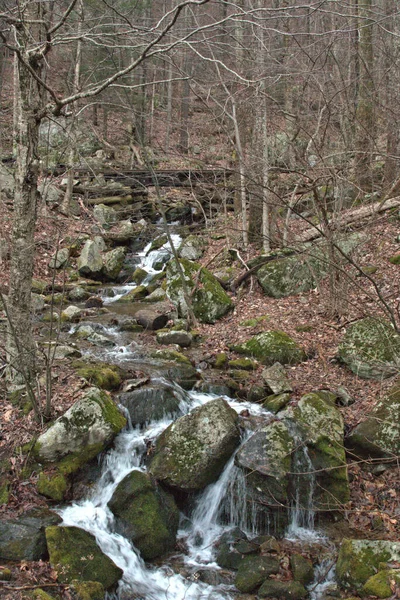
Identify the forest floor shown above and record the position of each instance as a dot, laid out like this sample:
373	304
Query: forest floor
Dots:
374	508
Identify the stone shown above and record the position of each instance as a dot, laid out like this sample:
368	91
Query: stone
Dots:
90	261
191	453
289	590
151	319
146	514
209	300
181	338
276	402
113	262
7	182
159	295
358	560
78	294
371	349
276	379
24	538
395	259
138	293
253	570
98	339
60	259
192	248
86	429
105	215
270	347
380	585
87	590
150	403
378	435
74	554
100	374
71	313
245	364
302	569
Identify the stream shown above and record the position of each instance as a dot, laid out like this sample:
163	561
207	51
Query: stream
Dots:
217	509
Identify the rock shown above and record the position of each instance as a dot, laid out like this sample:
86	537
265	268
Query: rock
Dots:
87	590
146	514
302	569
105	215
380	585
138	276
378	435
86	429
359	560
52	485
78	294
371	349
102	375
181	338
90	261
276	402
244	364
228	557
253	570
395	259
289	590
266	459
7	182
112	263
74	554
101	340
24	538
37	303
63	352
39	286
5	574
270	347
157	296
125	231
184	374
138	293
60	259
151	319
192	248
150	403
276	379
297	273
94	302
192	452
209	301
71	313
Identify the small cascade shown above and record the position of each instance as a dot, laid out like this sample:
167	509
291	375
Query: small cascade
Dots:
324	580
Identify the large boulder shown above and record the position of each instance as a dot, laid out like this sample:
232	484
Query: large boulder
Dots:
192	248
253	570
86	429
359	560
297	273
379	434
321	428
150	403
209	300
191	453
270	347
113	262
90	261
74	554
145	514
24	538
371	349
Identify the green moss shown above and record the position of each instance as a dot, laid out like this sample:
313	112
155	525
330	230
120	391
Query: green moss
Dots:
359	560
5	574
52	486
38	286
243	363
4	492
141	291
254	321
304	328
88	590
395	260
171	355
57	298
270	347
40	594
221	360
103	375
302	569
379	585
276	402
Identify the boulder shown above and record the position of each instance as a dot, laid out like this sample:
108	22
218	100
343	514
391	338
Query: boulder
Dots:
157	296
105	215
71	313
181	338
270	347
146	514
86	429
60	259
113	262
102	375
302	569
125	231
150	403
24	538
381	584
74	554
289	590
371	349
358	560
209	300
192	248
90	261
151	319
191	453
253	570
378	435
276	379
78	294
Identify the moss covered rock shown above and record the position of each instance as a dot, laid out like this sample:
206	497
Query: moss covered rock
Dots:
289	590
359	560
381	584
192	452
90	261
379	434
87	590
253	570
245	364
52	485
192	248
113	262
24	539
150	403
302	569
138	293
371	349
74	554
82	432
102	375
146	514
209	300
271	347
276	402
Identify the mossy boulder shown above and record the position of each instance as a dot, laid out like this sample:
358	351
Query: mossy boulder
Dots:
244	364
359	560
266	459
90	261
371	349
24	538
379	434
192	248
74	554
289	590
146	514
191	453
302	568
138	293
87	590
52	485
113	262
395	259
276	402
380	585
102	375
209	300
270	347
181	338
150	403
86	429
253	570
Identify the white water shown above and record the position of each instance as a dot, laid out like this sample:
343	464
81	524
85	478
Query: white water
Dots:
147	259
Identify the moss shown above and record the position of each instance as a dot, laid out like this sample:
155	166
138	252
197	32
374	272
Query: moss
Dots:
254	321
395	260
239	375
74	554
57	298
253	570
103	375
302	569
304	328
40	594
359	560
39	286
52	486
4	492
221	360
271	347
5	574
141	291
243	363
88	590
276	402
379	585
171	355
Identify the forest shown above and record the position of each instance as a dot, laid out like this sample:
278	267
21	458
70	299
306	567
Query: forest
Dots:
199	299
